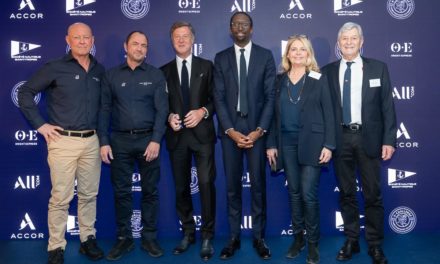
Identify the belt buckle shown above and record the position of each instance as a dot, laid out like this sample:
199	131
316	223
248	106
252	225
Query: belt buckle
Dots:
353	127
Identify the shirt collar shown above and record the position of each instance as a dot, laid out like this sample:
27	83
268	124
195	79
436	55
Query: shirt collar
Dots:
247	48
142	66
357	60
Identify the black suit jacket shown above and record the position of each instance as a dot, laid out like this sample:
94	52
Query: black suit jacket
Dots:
378	114
201	89
316	121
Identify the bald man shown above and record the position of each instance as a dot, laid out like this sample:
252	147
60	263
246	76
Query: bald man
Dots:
72	86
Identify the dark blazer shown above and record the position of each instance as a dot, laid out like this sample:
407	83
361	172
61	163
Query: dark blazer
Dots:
316	121
261	92
201	89
378	114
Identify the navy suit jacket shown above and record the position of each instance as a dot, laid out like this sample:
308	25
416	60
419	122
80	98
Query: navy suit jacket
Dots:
377	113
316	121
201	95
261	92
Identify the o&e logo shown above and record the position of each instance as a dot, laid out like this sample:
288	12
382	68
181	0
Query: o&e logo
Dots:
136	224
72	225
403	93
296	11
399	179
189	6
14	94
92	50
75	7
402	220
338	52
18	48
404	138
339	221
26	138
26	5
30	182
197	221
136	181
194	185
400	9
27	229
401	49
135	9
244	6
340	7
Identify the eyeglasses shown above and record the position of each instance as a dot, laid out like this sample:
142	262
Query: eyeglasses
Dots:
244	25
298	36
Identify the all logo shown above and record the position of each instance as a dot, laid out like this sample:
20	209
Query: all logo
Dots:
20	50
26	10
14	94
401	49
30	182
343	7
243	6
135	9
399	179
75	7
197	221
296	11
26	138
403	93
136	224
27	229
339	221
72	225
404	139
189	6
402	220
246	223
400	9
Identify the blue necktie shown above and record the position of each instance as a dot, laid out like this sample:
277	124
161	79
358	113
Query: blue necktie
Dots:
184	85
243	84
346	96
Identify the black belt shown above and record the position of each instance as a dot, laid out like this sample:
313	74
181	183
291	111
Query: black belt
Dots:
77	134
240	114
352	127
137	131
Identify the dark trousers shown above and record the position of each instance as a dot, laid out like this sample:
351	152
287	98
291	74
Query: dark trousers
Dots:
350	158
181	164
233	165
127	151
303	185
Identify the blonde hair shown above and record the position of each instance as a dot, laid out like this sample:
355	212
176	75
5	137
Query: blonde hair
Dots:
311	63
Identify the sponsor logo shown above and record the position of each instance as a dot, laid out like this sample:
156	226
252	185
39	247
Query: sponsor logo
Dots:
402	220
197	49
339	222
92	50
399	179
14	94
246	223
246	180
338	53
400	9
404	139
136	182
296	11
26	138
18	48
343	7
135	9
283	47
27	230
26	5
244	6
72	225
189	6
358	187
72	7
403	93
401	50
30	182
136	224
194	185
197	221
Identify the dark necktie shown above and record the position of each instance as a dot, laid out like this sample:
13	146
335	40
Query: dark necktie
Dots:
346	96
243	84
184	85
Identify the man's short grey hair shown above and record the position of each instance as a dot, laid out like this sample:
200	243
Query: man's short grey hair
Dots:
349	26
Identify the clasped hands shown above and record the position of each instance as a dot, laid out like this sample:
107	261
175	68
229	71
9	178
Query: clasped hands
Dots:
245	141
192	119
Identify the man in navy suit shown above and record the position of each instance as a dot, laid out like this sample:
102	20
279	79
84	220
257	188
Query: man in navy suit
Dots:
244	99
365	133
191	133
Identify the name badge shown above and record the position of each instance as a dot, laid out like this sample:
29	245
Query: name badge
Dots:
315	75
374	83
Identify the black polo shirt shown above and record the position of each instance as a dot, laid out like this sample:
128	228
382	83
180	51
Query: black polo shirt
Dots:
72	94
134	99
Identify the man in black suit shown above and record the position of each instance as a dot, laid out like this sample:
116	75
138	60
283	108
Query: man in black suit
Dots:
244	99
366	132
191	133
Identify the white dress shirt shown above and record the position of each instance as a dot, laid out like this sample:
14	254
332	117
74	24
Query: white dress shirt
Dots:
357	75
247	56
